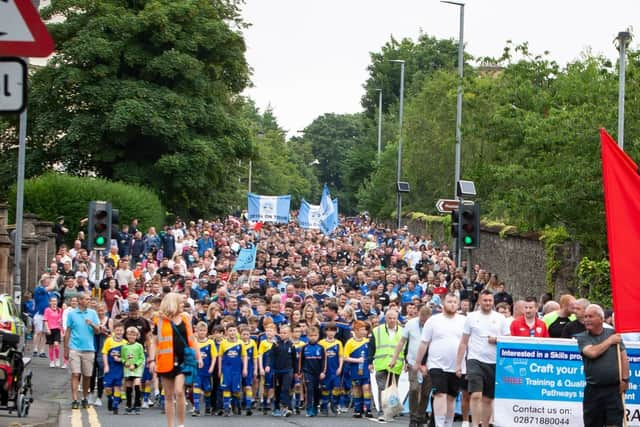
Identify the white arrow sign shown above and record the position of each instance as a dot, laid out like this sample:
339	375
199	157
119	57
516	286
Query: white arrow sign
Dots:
447	205
13	85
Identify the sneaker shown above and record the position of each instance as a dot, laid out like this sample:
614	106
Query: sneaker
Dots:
136	411
115	411
145	404
84	403
128	411
65	365
381	418
368	414
334	409
276	413
357	415
52	364
310	413
465	424
75	405
35	353
57	363
195	413
43	355
220	412
97	402
227	412
91	399
249	412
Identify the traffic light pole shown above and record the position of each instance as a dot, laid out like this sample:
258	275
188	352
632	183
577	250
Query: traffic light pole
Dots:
457	241
17	244
97	282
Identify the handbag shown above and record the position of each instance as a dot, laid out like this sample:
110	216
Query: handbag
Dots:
189	366
391	403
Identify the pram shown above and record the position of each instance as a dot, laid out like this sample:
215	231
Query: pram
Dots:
16	393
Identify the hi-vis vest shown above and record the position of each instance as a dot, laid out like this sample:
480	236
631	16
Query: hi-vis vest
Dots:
164	352
385	347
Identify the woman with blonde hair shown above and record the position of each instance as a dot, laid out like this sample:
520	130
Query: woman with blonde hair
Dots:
172	333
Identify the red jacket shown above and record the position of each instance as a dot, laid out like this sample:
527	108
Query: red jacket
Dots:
519	328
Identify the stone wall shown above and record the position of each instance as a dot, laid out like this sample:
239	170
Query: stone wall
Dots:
519	259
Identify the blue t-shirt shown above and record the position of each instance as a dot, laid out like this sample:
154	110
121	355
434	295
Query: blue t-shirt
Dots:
41	297
81	334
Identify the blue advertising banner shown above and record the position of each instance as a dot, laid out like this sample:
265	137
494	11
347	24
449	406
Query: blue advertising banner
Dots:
540	382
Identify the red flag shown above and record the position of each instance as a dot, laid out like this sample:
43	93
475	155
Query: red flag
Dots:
622	207
257	226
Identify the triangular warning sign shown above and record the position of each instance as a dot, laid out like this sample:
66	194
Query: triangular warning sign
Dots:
22	32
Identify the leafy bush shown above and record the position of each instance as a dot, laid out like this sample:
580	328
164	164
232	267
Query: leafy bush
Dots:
593	281
54	194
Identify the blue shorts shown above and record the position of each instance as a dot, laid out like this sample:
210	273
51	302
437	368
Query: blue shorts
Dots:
359	382
268	380
231	381
331	383
146	375
203	382
110	381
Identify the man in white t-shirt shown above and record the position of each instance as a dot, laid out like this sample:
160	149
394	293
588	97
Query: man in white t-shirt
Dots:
441	335
480	335
419	382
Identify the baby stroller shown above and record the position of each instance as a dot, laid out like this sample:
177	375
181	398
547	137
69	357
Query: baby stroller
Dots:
16	393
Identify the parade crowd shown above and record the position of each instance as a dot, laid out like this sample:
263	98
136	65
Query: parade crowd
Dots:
162	319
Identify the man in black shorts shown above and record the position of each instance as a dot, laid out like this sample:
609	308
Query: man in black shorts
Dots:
606	380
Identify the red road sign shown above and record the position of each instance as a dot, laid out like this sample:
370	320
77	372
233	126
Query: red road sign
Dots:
22	32
447	205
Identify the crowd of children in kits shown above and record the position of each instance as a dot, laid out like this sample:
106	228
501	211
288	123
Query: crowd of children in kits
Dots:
263	340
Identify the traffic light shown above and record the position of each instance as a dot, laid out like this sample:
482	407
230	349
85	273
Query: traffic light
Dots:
99	228
469	226
455	217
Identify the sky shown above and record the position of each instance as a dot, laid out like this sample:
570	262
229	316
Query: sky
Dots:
310	57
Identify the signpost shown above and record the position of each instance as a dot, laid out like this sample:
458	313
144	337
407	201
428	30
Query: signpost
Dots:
447	205
23	34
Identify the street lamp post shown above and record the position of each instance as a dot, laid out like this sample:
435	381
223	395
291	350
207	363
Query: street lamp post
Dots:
399	194
459	97
250	171
379	123
624	37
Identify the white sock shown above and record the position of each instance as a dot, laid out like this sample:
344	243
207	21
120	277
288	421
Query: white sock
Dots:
440	421
448	422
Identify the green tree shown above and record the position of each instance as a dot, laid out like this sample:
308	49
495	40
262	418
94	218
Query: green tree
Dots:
147	92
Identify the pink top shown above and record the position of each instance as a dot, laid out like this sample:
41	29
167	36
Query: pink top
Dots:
53	318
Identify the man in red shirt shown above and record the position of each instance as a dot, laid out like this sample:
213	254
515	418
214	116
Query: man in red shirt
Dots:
529	325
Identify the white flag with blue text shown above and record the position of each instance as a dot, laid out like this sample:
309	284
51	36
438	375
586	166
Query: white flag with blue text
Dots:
329	212
268	208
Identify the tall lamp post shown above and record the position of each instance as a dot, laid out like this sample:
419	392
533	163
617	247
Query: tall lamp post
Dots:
379	123
459	97
398	193
623	39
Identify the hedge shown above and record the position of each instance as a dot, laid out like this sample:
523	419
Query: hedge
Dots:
54	194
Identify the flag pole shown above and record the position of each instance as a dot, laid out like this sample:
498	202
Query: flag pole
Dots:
624	409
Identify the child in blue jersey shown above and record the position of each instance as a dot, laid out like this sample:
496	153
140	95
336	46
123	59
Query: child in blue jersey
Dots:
331	384
217	333
113	367
356	354
312	366
202	383
232	367
298	344
265	362
252	367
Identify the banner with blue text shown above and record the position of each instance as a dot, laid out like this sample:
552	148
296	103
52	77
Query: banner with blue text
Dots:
268	208
540	382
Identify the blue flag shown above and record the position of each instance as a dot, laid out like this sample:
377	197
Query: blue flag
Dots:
246	259
329	212
310	215
268	208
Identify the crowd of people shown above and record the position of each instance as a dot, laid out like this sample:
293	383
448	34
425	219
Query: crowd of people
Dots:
164	320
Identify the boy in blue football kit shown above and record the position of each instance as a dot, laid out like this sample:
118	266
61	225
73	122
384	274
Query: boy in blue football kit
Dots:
265	360
232	367
312	365
252	367
331	384
113	367
298	345
356	355
202	383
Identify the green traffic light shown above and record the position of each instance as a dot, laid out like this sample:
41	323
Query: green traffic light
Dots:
468	240
100	240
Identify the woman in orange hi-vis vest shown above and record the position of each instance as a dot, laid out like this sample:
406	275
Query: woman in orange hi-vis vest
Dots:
167	353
